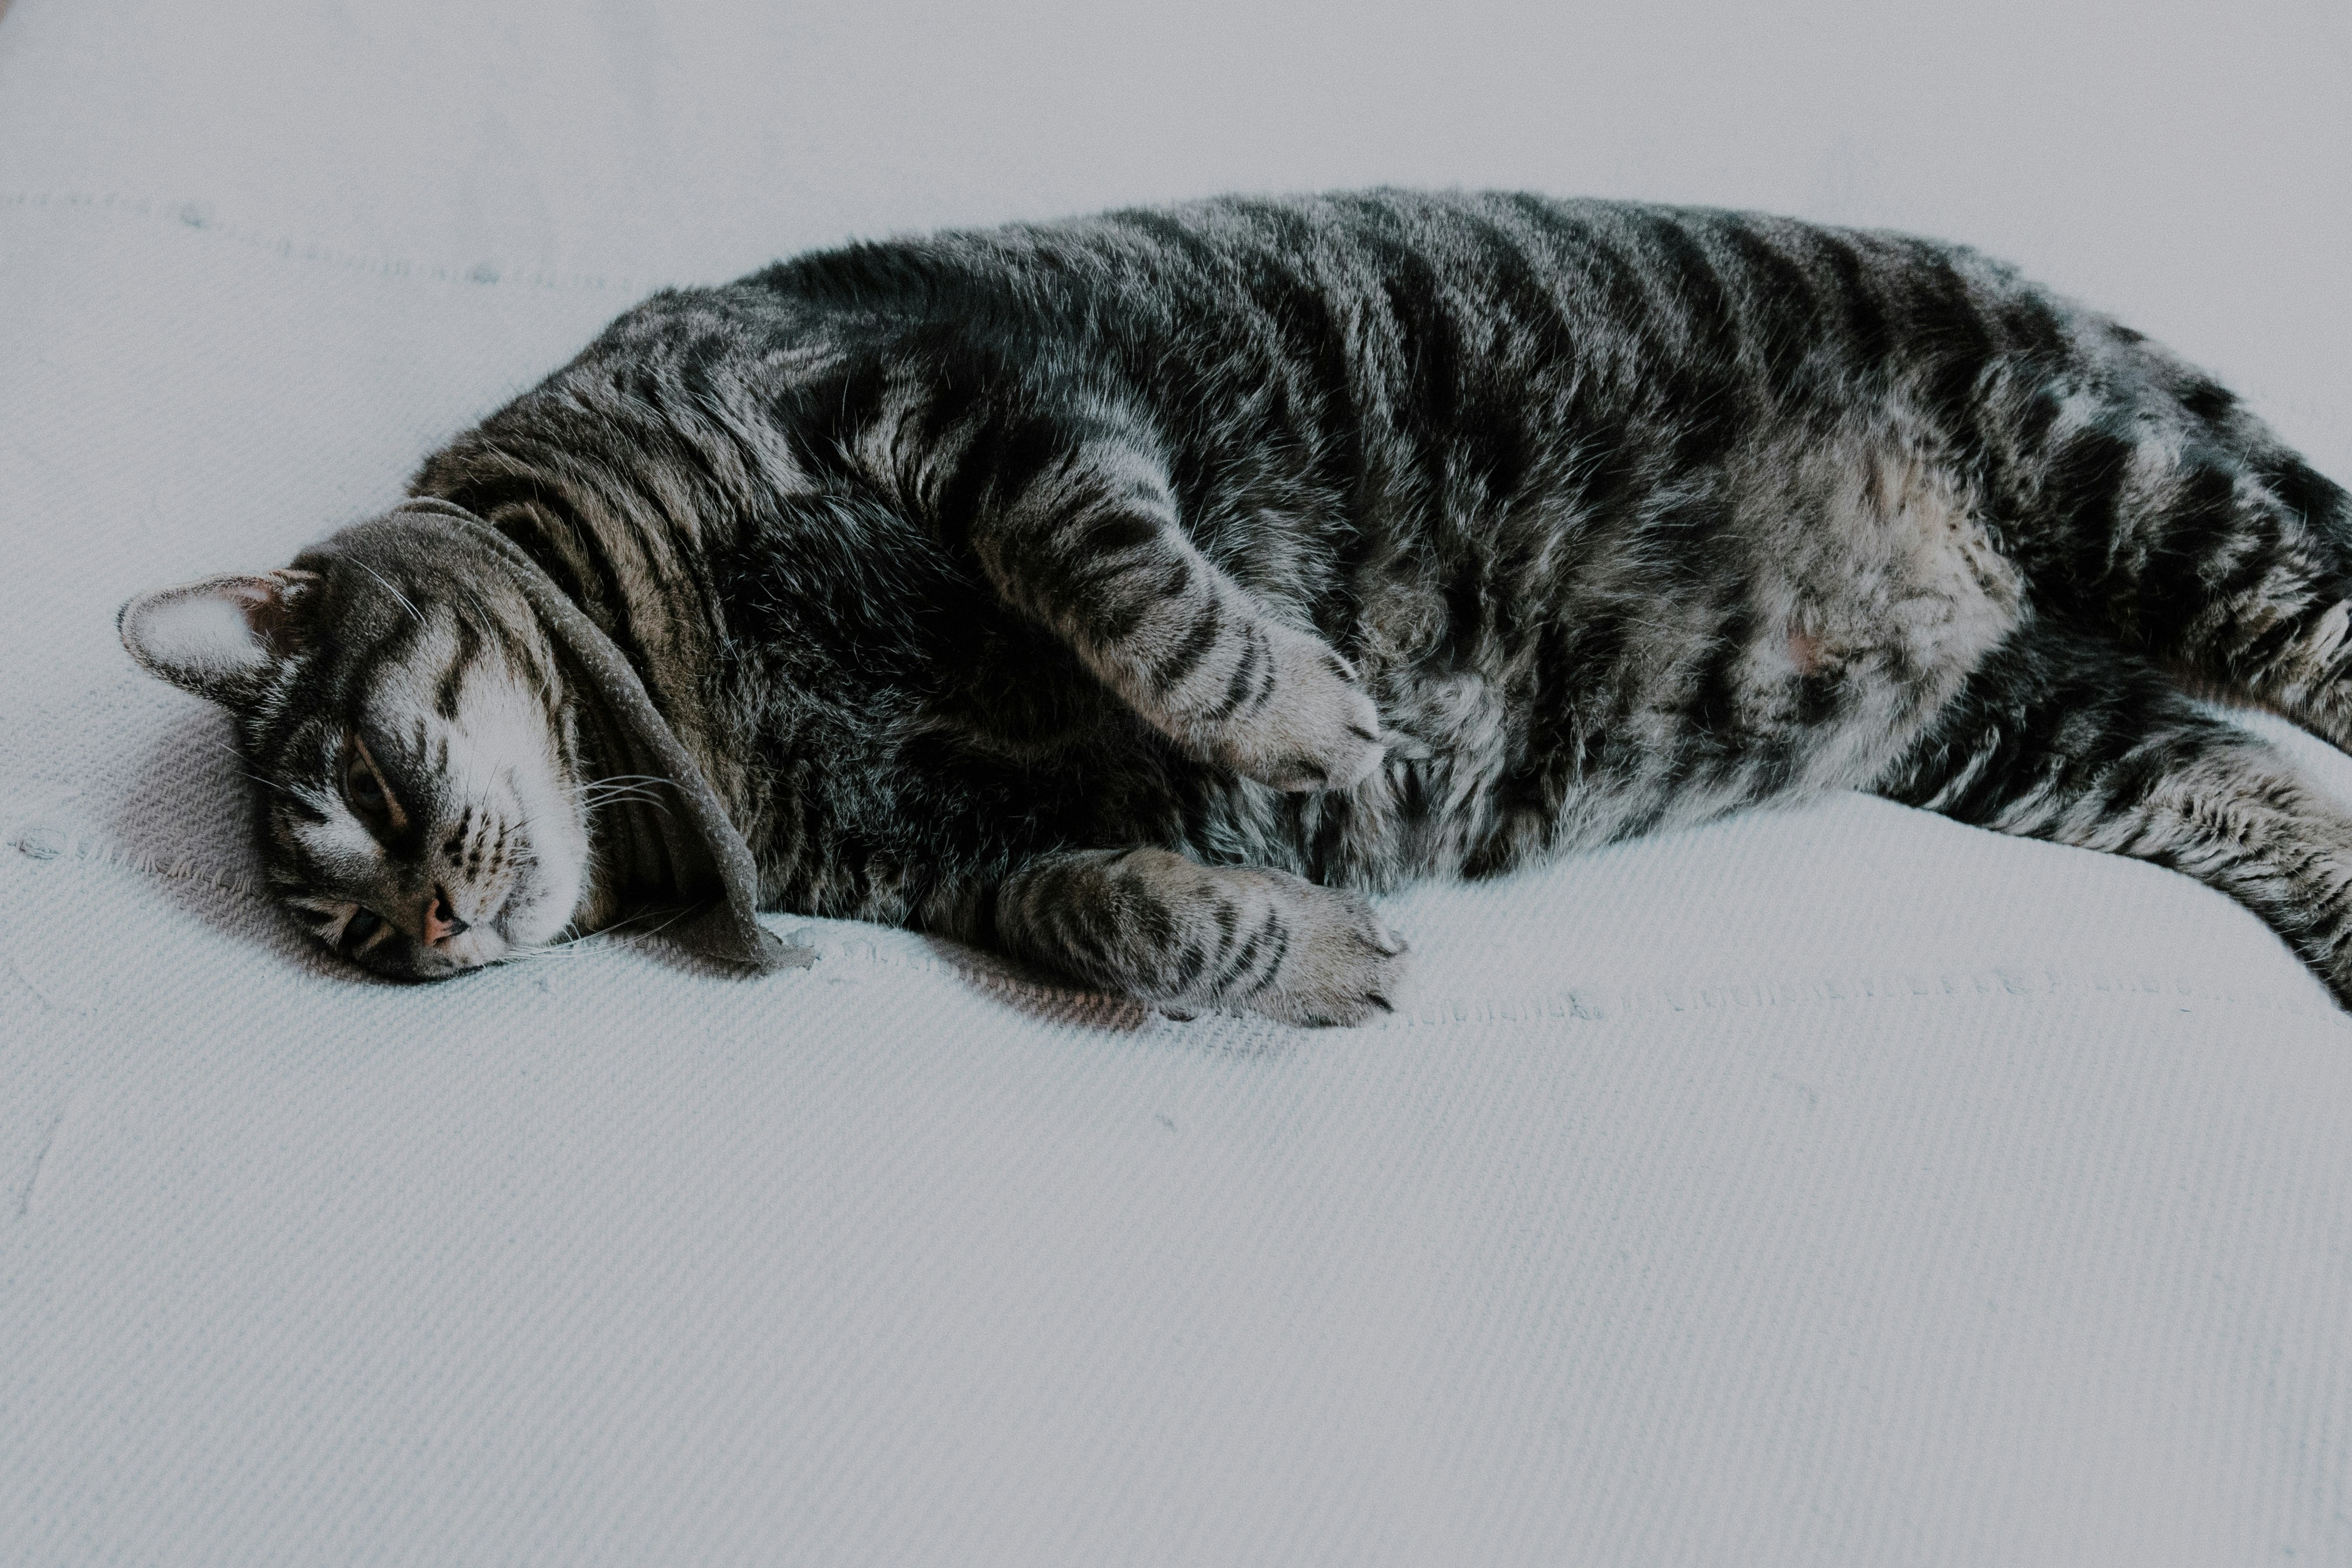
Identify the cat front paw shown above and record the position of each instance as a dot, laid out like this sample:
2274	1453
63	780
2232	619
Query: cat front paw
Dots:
1314	726
1343	967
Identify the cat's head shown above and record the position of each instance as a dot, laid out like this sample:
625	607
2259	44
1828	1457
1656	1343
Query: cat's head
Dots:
418	793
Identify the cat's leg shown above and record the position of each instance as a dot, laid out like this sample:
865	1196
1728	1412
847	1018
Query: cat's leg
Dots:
2207	542
1150	924
1079	532
2068	738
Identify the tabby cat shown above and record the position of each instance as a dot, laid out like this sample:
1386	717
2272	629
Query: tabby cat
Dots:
1134	595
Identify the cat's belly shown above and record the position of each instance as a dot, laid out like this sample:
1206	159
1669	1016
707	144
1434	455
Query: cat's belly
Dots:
1858	592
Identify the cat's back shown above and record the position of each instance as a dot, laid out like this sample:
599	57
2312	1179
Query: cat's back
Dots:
1392	363
1346	279
1456	279
1353	352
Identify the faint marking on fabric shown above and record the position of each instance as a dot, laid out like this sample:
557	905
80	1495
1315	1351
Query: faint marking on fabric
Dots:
45	1000
41	1157
1752	995
197	217
42	843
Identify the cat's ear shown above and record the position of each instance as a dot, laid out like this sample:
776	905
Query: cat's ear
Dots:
222	638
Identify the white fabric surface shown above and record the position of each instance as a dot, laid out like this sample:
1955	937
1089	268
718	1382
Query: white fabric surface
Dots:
1834	1187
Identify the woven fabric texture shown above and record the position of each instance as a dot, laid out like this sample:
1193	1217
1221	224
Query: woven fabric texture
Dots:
1830	1187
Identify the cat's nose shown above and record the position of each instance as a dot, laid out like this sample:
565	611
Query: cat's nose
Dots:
441	921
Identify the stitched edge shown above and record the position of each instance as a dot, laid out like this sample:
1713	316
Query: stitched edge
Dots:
198	216
1598	1004
1610	1004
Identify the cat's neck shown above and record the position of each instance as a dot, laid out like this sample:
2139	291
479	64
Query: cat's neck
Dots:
624	570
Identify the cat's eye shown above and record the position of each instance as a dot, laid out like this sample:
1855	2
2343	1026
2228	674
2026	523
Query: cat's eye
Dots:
363	785
362	925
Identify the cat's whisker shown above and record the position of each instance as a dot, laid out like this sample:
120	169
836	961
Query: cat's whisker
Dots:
388	588
620	792
593	802
244	772
624	935
619	784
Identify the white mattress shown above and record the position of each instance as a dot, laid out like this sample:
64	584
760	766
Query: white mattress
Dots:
1834	1187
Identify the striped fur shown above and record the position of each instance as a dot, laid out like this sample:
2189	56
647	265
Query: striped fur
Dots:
1135	593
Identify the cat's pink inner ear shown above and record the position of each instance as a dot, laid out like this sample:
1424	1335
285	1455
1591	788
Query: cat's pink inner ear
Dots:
220	637
274	613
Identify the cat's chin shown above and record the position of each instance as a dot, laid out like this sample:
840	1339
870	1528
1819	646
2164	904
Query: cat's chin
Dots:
402	958
477	949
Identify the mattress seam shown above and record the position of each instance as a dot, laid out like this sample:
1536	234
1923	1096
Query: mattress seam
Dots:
1590	1003
196	215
